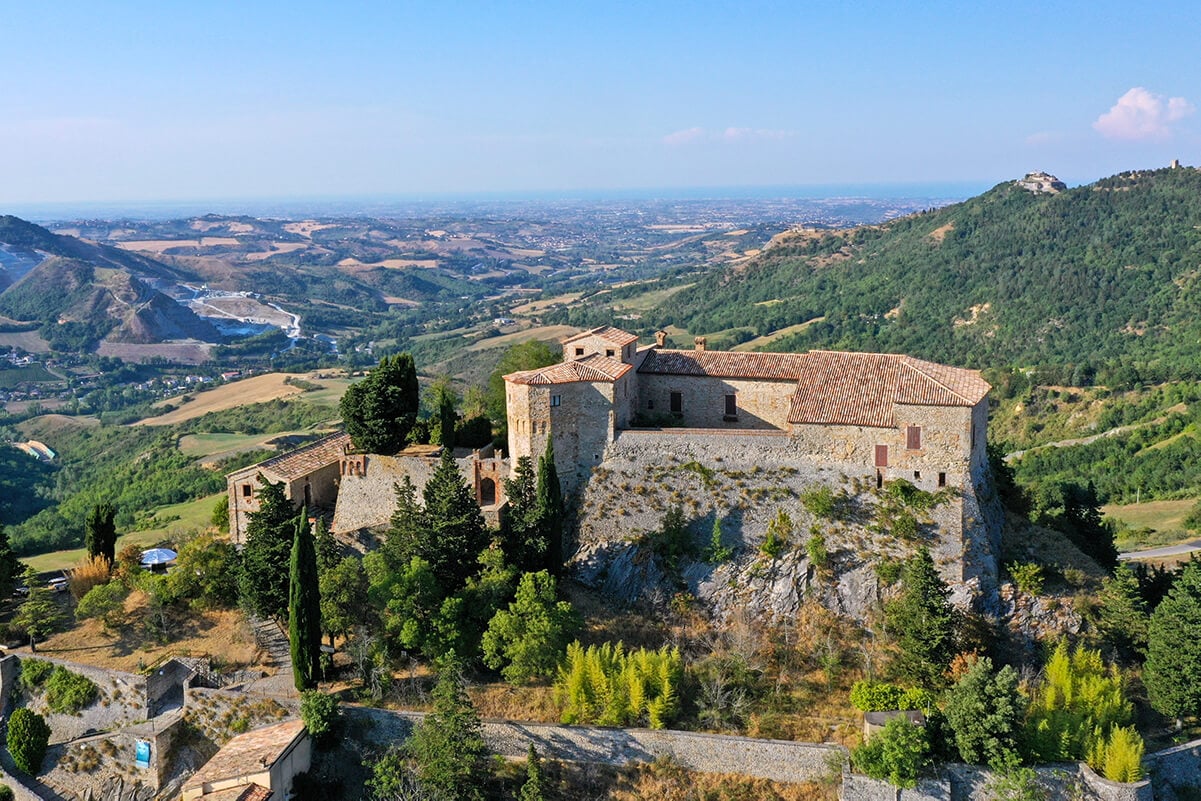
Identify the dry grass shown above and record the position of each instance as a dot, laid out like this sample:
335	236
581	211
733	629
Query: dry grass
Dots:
161	245
504	701
759	342
222	633
546	333
259	389
664	780
87	574
1156	515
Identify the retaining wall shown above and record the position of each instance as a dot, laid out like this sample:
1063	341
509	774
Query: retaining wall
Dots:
1175	767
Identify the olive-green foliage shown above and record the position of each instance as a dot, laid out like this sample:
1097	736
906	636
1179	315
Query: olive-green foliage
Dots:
819	502
1192	521
718	552
320	713
34	673
607	686
534	788
550	507
879	696
1173	669
68	692
1080	700
6	793
522	356
923	622
985	711
1122	615
220	517
39	614
779	529
28	735
815	549
448	745
206	573
1017	784
379	410
671	541
100	531
104	601
1027	577
344	596
526	641
897	754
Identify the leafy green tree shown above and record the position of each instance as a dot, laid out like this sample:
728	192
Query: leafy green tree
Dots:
328	552
449	745
220	517
985	711
1172	672
408	598
897	754
453	534
39	614
923	621
104	601
527	640
534	788
263	582
304	607
344	598
100	531
320	713
462	618
392	780
28	735
549	504
206	572
379	410
1122	615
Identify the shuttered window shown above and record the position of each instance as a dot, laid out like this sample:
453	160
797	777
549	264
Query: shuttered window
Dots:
913	438
881	456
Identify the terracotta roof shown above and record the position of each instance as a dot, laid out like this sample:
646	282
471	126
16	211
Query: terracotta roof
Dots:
593	367
724	364
243	792
860	388
249	753
607	333
302	461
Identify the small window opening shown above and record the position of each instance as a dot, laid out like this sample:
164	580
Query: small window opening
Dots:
917	475
556	400
487	492
579	351
731	405
609	352
942	479
677	403
881	456
650	403
246	490
879	480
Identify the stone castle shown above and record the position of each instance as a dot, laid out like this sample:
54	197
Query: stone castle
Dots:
822	416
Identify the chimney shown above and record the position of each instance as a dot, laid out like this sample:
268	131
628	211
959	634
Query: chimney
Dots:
699	342
660	338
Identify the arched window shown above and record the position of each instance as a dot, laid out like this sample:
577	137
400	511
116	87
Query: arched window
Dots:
487	492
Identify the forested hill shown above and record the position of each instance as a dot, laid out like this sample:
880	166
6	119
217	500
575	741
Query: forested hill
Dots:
1088	279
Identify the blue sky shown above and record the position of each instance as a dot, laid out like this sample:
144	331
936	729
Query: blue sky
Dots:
127	101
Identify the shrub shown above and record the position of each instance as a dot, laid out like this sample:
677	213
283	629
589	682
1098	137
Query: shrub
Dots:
671	541
320	714
879	696
904	526
68	692
819	502
89	573
34	673
717	553
105	601
896	755
607	686
1121	757
28	735
778	532
1027	576
6	793
815	547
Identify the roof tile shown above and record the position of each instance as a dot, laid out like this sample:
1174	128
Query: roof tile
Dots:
303	461
248	753
724	364
605	332
591	368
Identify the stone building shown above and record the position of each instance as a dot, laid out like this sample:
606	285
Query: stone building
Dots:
883	415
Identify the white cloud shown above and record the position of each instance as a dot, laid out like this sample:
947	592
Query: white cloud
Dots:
731	134
684	137
1140	114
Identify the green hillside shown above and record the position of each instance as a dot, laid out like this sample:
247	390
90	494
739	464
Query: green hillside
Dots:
1094	277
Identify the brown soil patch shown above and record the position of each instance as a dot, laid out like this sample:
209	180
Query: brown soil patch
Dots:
259	389
160	245
973	315
182	352
280	247
940	233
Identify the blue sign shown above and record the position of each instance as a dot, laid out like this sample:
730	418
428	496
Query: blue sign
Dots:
142	754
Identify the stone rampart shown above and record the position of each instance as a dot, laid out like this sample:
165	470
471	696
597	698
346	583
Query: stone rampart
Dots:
1179	766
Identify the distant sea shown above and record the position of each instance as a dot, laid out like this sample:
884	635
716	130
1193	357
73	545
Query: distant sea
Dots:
417	204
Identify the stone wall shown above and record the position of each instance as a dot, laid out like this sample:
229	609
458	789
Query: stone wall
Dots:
581	421
777	760
761	404
1175	767
367	496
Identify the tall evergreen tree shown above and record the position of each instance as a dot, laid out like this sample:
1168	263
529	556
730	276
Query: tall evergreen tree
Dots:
454	532
39	614
1172	672
304	607
10	566
263	584
923	621
449	744
522	536
100	532
328	552
445	401
1122	621
380	410
550	508
534	788
404	540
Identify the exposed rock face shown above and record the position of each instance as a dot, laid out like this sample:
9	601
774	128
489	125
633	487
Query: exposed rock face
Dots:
1041	183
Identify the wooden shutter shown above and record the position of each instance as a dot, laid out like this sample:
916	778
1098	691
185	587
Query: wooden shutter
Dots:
913	438
881	456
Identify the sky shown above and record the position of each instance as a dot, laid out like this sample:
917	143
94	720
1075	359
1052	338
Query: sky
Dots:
149	101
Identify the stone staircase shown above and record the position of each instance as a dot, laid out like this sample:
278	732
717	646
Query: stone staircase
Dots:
270	636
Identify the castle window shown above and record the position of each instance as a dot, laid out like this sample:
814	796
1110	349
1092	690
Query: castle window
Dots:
917	475
881	456
731	405
556	400
246	491
609	352
579	351
677	403
487	492
650	403
913	438
942	479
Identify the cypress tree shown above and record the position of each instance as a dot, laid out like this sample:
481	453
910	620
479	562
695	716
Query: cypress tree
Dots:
263	584
304	607
534	788
454	532
100	532
10	566
923	621
550	508
522	540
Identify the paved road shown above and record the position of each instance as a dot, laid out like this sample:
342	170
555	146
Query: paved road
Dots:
1163	553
